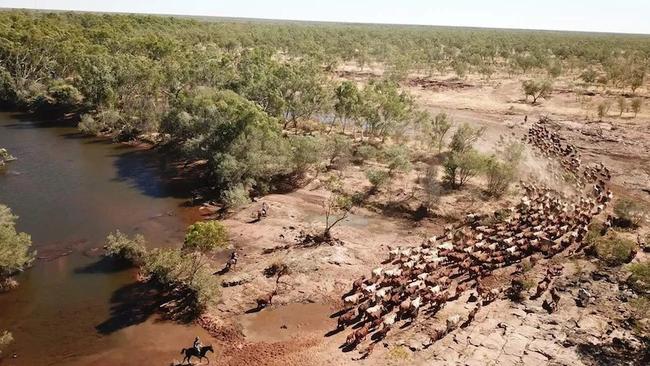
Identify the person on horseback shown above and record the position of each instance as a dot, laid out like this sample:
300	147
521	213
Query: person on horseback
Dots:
197	345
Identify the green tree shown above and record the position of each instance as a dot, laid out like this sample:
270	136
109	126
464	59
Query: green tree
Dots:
205	237
337	209
436	129
347	105
15	253
537	89
133	250
464	138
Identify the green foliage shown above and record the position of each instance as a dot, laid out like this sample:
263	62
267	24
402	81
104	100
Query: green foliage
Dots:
242	143
15	252
132	250
460	167
307	151
614	250
338	151
436	128
386	110
347	103
378	178
337	209
537	89
464	138
397	158
59	97
500	176
194	284
639	280
589	75
364	153
235	196
629	213
205	237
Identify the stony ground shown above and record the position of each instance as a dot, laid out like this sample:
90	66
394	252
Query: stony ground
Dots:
296	329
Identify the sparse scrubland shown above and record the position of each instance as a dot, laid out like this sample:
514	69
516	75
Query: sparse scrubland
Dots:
321	150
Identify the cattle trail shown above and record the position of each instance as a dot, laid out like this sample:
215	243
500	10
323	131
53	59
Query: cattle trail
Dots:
423	279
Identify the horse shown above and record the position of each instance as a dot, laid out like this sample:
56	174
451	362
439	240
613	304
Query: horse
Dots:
192	352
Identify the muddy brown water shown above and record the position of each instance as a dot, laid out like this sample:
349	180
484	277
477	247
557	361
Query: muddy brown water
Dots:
72	307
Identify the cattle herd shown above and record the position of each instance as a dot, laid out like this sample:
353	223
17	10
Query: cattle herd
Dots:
423	279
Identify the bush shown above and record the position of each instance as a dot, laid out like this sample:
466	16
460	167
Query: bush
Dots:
120	246
461	167
500	176
235	197
15	252
636	105
639	280
306	152
364	153
397	158
629	213
537	89
589	75
338	150
464	138
378	178
195	286
431	185
205	236
614	250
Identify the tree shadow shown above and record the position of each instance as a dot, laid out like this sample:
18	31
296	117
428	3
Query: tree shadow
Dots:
151	173
104	265
131	304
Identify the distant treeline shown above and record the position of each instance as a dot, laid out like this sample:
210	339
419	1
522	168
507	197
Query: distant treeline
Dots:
224	90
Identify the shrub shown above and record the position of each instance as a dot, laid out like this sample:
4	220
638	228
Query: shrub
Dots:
461	167
537	89
603	108
337	209
614	250
436	129
306	152
621	102
205	236
195	287
629	213
639	280
364	153
397	158
500	176
432	187
464	138
378	178
15	252
589	75
636	105
235	197
120	246
338	150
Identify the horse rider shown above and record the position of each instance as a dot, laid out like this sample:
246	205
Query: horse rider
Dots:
197	345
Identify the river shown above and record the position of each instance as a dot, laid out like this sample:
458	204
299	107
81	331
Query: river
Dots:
69	191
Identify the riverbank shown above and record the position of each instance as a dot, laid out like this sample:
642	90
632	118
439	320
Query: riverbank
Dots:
69	192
